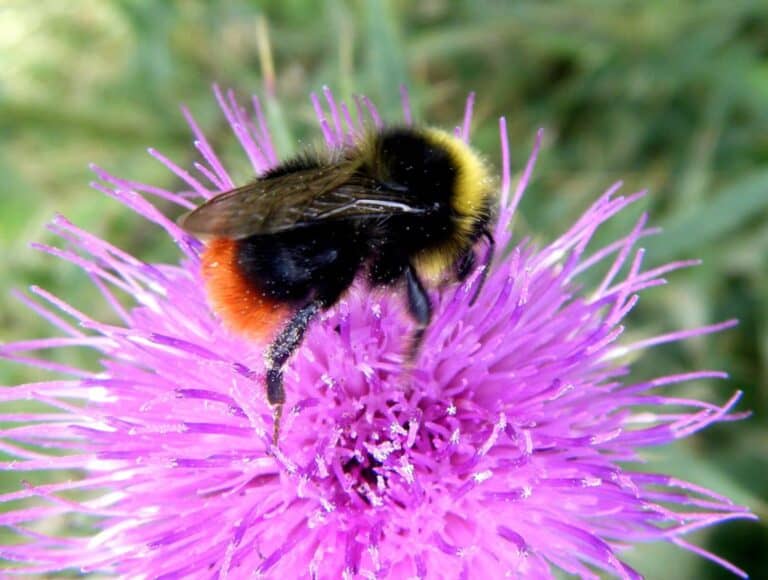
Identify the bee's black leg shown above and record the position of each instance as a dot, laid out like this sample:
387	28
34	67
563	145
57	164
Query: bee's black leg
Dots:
486	264
465	265
419	307
278	354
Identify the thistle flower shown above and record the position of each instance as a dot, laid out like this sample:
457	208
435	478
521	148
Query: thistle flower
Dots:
509	449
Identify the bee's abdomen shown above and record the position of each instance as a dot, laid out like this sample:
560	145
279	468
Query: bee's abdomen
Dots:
295	266
242	306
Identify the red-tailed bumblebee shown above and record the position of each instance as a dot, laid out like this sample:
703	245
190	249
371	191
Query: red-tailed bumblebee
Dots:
404	204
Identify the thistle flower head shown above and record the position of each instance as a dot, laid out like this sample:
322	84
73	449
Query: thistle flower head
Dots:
508	448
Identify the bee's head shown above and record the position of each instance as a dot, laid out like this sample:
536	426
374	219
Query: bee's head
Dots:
442	174
434	166
409	159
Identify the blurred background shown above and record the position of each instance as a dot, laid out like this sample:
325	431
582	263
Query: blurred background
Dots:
667	96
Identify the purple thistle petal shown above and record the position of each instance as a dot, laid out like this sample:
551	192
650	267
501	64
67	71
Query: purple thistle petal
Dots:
264	136
467	123
505	164
352	129
338	133
509	448
182	174
372	111
328	135
680	335
55	320
167	195
218	175
237	121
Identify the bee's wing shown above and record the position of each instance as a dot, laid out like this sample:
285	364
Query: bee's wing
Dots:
294	200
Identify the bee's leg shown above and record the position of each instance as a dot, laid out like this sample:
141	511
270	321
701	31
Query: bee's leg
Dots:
279	352
486	264
419	307
465	264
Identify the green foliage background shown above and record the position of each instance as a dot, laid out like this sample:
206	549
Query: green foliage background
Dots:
668	96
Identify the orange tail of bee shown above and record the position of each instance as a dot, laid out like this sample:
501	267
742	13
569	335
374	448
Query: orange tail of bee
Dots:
240	304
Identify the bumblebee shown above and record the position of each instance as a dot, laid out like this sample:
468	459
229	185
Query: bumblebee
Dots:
403	206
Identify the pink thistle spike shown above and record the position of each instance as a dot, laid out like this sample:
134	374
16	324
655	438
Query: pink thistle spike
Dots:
467	123
328	135
334	110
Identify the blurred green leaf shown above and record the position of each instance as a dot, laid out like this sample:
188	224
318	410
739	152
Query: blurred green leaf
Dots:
385	60
707	223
